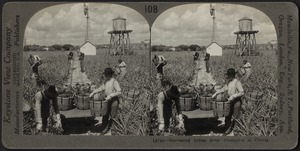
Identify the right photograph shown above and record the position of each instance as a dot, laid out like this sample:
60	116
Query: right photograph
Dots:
214	72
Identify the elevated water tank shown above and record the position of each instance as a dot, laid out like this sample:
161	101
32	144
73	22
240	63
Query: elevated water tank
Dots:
119	23
245	24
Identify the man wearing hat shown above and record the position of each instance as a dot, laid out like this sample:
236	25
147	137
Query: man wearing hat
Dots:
247	67
35	61
235	91
121	68
43	101
112	90
164	107
207	64
159	61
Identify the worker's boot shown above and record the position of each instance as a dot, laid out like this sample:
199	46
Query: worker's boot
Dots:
230	128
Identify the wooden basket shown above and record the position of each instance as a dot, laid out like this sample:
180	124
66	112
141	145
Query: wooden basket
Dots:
205	103
187	103
131	94
82	102
65	102
221	109
253	95
98	108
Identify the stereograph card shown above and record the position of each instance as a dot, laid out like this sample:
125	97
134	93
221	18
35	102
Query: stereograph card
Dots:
161	75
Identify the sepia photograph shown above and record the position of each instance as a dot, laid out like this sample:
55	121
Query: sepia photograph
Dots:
215	71
86	69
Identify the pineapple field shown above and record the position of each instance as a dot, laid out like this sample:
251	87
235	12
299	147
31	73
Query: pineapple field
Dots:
258	117
133	116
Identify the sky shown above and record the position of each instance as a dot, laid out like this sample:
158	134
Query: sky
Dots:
66	24
185	24
192	24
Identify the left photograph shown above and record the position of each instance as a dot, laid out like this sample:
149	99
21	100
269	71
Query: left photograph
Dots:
86	70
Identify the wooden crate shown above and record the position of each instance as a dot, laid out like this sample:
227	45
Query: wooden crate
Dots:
253	95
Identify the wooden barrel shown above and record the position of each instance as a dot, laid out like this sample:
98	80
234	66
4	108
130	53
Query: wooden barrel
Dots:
205	103
98	108
188	102
220	109
65	102
253	95
82	102
131	94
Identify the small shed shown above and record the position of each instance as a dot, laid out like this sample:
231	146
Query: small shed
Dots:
214	49
88	48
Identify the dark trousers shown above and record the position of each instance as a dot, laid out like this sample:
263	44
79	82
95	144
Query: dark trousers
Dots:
207	66
167	112
82	65
112	108
235	108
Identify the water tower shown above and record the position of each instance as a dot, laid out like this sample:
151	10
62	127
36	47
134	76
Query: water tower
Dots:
119	37
245	38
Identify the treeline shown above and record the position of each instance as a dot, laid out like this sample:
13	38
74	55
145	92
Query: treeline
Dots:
177	48
56	47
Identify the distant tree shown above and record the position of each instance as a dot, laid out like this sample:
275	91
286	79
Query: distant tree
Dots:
57	47
194	47
68	47
183	47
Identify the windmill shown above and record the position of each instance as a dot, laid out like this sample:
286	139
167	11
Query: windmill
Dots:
213	16
86	14
214	49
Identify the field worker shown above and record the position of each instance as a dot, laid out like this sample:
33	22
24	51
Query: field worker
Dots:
70	57
35	62
122	68
159	61
207	64
81	59
112	90
247	68
164	107
43	102
235	92
196	55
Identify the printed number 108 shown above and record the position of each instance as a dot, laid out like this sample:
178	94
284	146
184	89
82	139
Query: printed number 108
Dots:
151	9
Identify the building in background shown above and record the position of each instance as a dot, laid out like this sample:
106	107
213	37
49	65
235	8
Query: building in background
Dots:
88	48
214	49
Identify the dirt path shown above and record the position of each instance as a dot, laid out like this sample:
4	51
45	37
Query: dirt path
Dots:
75	74
200	74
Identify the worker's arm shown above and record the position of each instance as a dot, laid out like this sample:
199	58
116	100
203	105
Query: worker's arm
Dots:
37	110
160	106
225	88
101	88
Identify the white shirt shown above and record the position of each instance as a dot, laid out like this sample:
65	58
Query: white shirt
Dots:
122	66
247	66
234	88
111	88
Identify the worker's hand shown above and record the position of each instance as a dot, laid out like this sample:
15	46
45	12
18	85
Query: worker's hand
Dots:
39	126
58	124
214	95
108	98
181	121
91	95
161	126
231	98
